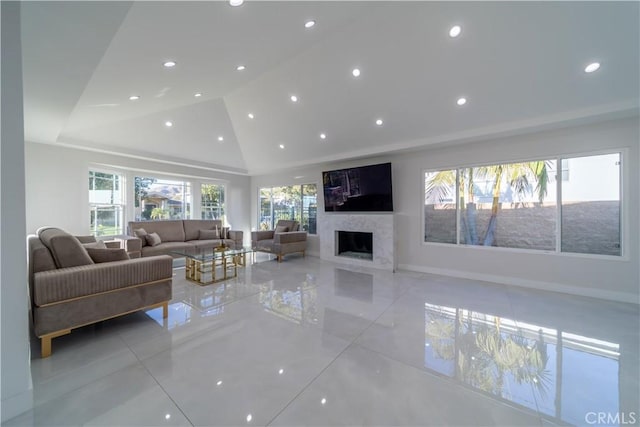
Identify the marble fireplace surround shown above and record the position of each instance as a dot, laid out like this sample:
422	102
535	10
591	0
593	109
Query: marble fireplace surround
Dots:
381	225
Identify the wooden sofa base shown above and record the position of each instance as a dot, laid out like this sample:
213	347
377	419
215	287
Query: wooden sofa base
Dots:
45	340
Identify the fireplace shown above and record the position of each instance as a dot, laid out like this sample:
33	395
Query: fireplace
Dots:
381	225
354	244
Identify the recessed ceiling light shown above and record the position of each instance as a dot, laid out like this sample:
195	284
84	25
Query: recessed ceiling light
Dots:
236	2
220	138
356	72
294	98
594	66
170	64
323	136
455	31
309	23
251	116
198	95
379	122
168	124
281	146
461	101
134	98
240	68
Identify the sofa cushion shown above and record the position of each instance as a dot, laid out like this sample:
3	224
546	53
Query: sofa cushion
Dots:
141	234
170	230
95	245
86	239
153	239
281	229
107	255
192	227
164	248
209	234
290	224
67	251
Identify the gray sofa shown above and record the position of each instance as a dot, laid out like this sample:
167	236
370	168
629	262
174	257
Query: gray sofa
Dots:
285	239
181	234
73	285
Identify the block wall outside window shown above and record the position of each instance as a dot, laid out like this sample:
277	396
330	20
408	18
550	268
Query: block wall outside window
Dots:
522	205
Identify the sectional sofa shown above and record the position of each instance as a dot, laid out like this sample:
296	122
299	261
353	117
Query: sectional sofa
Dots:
172	235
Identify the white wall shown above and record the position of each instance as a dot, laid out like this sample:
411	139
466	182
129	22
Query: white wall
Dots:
57	184
17	394
603	277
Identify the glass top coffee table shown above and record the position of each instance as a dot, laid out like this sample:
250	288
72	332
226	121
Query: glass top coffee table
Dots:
205	266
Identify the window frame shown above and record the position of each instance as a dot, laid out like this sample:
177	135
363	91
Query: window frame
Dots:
624	205
163	177
223	206
271	187
124	182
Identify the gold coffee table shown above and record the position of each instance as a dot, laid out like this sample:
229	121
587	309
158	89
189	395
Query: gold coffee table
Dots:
206	266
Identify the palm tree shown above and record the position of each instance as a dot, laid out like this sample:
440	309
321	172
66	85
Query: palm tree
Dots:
518	176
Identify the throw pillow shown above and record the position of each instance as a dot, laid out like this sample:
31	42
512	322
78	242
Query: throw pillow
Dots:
107	255
141	234
67	251
209	234
281	229
153	239
95	245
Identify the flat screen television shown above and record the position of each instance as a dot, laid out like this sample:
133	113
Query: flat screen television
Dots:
361	189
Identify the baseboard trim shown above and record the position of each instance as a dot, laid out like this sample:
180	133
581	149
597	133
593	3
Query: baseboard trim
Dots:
16	405
532	284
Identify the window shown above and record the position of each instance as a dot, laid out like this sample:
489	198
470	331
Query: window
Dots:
296	202
440	223
162	199
521	205
106	203
591	206
212	201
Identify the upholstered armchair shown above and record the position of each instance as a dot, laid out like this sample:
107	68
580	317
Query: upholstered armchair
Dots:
285	239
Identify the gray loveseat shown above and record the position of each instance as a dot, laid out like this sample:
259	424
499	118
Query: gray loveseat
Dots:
72	285
181	234
285	239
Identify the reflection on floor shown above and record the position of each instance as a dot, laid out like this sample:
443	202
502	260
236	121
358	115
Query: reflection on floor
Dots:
307	342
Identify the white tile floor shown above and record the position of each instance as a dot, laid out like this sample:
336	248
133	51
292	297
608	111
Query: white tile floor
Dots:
307	342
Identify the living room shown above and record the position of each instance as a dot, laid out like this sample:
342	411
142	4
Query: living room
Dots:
213	140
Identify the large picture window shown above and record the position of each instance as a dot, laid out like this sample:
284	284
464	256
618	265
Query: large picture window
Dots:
295	202
162	199
106	203
522	205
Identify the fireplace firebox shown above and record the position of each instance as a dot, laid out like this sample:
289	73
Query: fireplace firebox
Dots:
354	244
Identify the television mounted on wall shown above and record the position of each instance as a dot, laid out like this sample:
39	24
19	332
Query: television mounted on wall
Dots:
359	189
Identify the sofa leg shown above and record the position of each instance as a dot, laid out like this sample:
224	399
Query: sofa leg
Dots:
279	258
303	254
45	342
165	310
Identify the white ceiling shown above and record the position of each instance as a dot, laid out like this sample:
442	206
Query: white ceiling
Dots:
520	64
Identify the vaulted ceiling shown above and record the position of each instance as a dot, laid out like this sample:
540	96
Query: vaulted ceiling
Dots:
520	66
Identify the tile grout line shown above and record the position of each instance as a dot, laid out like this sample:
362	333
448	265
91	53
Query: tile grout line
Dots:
347	347
158	383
